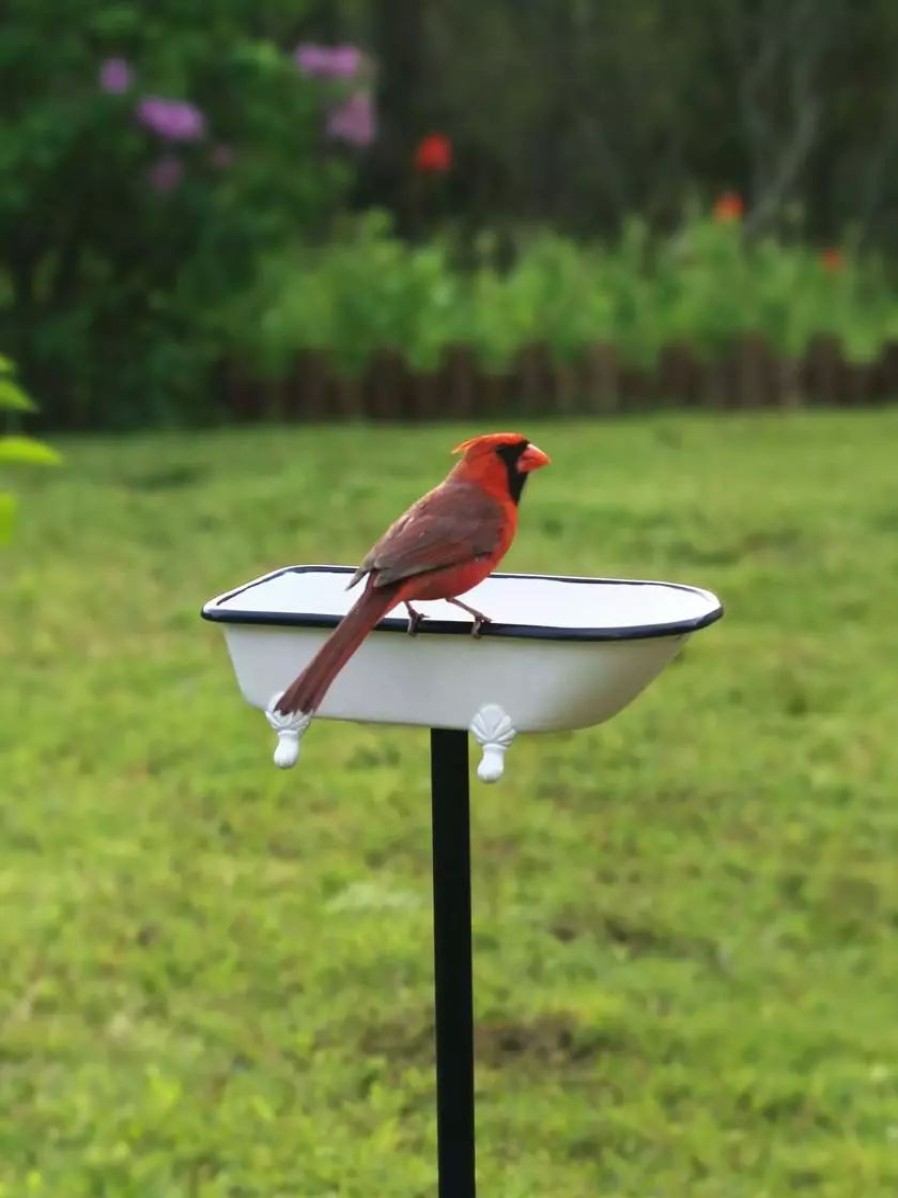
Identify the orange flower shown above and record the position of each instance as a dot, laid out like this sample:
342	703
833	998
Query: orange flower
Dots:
728	207
433	155
832	259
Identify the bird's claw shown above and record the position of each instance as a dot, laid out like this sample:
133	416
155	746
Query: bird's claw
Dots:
414	620
479	618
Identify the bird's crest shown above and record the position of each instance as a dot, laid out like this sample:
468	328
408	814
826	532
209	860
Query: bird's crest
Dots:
490	441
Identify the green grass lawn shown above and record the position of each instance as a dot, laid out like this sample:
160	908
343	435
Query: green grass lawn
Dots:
217	976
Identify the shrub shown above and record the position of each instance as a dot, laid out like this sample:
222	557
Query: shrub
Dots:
707	285
150	154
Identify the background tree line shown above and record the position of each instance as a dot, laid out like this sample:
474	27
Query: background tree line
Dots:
578	113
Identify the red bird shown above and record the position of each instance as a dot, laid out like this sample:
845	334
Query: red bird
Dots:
444	545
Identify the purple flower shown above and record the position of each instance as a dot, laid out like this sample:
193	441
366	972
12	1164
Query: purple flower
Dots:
353	120
165	174
116	76
324	62
172	120
345	61
312	60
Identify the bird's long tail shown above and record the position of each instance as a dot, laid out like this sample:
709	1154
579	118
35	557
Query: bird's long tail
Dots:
306	693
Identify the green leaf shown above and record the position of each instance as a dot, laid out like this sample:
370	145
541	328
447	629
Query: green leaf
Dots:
26	451
6	366
12	397
7	515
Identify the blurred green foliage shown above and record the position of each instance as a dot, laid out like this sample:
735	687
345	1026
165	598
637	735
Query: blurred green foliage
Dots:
136	260
707	284
118	241
16	449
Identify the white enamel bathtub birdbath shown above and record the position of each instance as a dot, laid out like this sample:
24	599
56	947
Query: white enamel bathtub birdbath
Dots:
559	653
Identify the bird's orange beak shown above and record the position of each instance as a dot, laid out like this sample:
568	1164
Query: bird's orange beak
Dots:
532	458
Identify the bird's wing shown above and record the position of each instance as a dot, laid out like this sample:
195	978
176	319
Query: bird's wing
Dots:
452	524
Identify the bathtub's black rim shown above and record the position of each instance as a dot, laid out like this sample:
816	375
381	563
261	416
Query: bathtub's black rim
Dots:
217	613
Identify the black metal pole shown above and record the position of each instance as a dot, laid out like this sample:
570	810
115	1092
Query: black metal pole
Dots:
453	980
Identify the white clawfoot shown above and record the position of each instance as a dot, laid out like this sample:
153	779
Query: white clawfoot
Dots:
289	729
494	731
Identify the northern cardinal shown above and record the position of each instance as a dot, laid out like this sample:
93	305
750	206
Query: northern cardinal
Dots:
444	545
